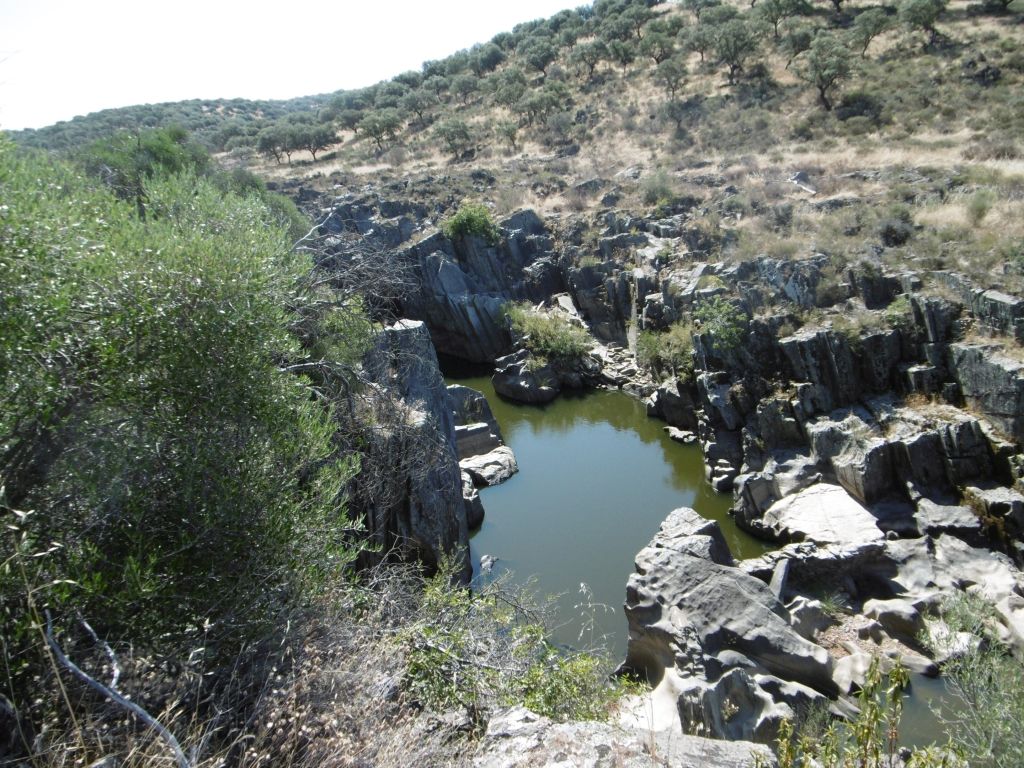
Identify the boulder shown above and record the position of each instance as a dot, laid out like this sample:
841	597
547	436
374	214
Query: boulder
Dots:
516	378
688	608
470	406
520	738
899	618
822	513
475	439
490	468
673	402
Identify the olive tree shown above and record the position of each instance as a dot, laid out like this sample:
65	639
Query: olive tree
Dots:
735	41
824	65
868	25
922	14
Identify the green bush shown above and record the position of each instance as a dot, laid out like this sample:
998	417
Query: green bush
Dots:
979	205
178	476
668	352
723	321
486	647
472	219
548	337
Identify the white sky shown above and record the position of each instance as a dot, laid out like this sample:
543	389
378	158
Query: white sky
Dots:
61	58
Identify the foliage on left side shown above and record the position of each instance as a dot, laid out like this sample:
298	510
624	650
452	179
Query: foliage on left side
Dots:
166	476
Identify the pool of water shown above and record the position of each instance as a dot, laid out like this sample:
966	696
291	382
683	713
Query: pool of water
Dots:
596	478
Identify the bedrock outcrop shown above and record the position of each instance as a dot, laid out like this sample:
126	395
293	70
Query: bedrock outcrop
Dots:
520	738
420	508
461	285
720	635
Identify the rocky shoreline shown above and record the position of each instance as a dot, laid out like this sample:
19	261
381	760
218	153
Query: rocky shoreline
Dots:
871	425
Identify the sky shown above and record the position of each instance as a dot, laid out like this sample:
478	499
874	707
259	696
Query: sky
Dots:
61	58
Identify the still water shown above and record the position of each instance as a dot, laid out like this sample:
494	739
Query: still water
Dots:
596	478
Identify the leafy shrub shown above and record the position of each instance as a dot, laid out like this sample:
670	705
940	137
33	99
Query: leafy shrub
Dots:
725	322
472	219
179	476
487	647
668	352
869	741
987	685
548	337
979	205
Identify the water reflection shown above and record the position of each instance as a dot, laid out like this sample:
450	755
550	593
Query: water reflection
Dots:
596	479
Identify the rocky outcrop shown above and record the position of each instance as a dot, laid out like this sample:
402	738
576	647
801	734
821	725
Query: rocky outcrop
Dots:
420	509
720	631
822	513
462	285
518	378
483	456
520	738
992	384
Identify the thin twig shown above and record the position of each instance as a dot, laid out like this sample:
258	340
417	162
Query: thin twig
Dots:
114	696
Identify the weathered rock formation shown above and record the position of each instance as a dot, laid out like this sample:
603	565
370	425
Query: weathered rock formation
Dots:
723	639
518	738
420	509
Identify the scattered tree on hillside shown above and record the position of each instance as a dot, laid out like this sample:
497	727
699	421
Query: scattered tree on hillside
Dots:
538	103
622	52
456	135
538	53
418	102
586	57
734	42
507	130
699	6
485	58
381	125
658	46
797	37
637	16
922	14
671	74
869	24
464	86
315	138
508	86
776	11
698	39
824	65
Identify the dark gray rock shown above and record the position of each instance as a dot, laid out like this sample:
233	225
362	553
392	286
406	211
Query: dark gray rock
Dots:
991	384
517	379
424	510
688	609
673	402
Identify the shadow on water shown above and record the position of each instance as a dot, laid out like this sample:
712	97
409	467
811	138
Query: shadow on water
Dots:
597	477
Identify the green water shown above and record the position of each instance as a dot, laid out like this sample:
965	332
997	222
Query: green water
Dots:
596	478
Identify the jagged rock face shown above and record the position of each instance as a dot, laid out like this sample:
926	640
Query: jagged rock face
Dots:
692	611
991	384
996	310
519	737
461	286
605	295
423	511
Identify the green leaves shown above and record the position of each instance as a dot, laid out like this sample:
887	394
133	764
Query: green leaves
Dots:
149	420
